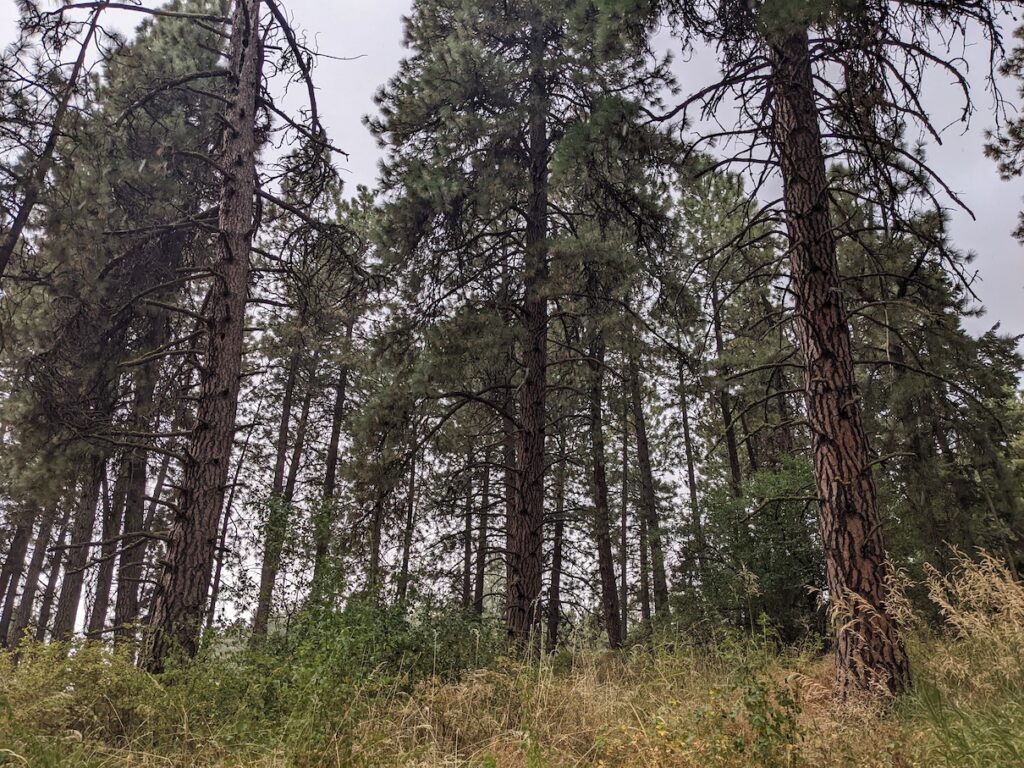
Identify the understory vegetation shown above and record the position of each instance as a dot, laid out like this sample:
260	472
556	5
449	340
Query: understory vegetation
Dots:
368	687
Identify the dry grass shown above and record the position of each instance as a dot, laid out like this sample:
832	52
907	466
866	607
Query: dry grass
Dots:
736	704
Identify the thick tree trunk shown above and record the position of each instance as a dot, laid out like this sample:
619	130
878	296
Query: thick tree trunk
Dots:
599	484
113	511
869	652
648	497
23	617
526	526
180	600
78	553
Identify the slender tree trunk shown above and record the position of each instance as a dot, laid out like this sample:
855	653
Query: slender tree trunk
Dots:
599	483
53	569
129	574
113	511
648	497
14	565
691	474
645	574
23	617
467	540
281	495
624	526
869	651
526	526
326	514
557	542
481	540
407	534
78	554
37	176
375	577
725	401
180	599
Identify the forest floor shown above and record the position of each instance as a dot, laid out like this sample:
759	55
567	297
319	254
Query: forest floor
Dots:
334	702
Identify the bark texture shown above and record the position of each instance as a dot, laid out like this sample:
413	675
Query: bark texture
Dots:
526	525
78	553
648	497
869	652
601	523
180	600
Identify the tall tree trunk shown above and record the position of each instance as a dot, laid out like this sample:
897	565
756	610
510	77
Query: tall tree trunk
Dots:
725	400
624	526
10	577
407	534
648	497
280	500
599	483
23	617
869	651
53	569
645	574
467	539
691	474
133	545
180	599
557	542
374	576
481	540
78	553
113	511
526	527
325	516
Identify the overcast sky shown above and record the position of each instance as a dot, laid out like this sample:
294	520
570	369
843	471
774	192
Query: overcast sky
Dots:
372	31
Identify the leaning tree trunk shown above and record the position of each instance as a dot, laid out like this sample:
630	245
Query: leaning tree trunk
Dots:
869	652
36	177
526	526
599	477
180	600
13	566
23	617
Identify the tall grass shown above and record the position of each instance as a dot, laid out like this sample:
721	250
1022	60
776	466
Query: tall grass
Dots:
366	688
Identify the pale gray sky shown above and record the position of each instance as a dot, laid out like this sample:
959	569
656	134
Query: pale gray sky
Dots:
372	30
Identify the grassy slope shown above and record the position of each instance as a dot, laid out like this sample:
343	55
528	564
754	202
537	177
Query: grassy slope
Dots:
335	700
